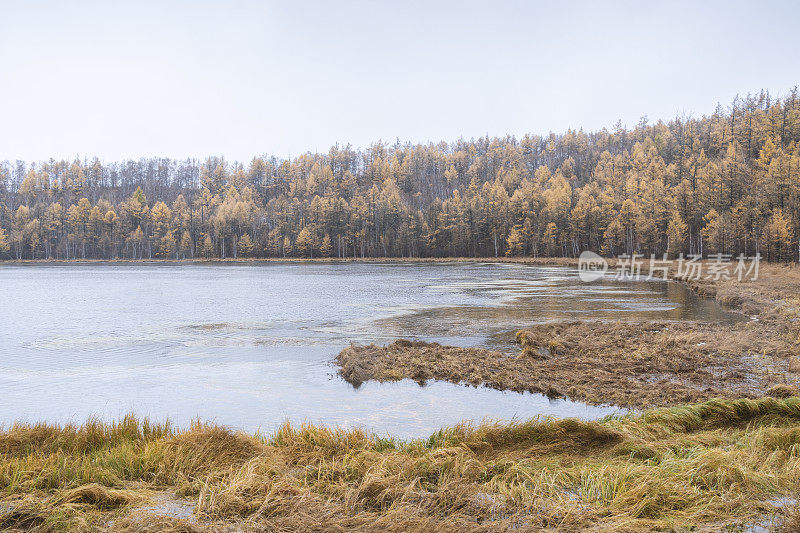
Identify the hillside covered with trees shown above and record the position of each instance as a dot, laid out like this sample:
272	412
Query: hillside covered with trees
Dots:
724	183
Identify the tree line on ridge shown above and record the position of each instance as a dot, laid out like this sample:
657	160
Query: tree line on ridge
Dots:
726	183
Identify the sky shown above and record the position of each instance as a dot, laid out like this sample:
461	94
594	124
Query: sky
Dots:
182	79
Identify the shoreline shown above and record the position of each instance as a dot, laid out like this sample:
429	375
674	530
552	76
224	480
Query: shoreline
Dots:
555	261
631	363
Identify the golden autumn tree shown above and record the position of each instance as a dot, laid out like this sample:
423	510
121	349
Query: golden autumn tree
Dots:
729	183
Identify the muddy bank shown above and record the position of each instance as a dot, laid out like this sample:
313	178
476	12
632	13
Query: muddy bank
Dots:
774	295
631	364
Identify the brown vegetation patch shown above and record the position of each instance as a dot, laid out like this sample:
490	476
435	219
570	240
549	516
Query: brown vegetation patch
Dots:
636	364
630	364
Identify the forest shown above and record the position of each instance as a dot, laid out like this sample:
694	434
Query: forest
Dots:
728	182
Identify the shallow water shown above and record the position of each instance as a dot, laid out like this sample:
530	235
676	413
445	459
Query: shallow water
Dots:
251	345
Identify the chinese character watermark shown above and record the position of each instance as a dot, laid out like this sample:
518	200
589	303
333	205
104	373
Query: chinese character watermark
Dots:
715	267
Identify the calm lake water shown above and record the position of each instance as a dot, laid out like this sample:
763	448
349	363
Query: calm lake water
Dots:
251	345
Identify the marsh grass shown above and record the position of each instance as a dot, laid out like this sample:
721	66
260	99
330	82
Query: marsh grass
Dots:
718	463
639	364
625	363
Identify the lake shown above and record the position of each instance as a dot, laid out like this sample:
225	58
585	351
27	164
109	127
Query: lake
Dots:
251	345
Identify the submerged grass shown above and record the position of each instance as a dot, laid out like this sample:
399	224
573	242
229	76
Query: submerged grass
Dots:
718	464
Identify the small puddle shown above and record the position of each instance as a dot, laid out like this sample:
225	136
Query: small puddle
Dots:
168	505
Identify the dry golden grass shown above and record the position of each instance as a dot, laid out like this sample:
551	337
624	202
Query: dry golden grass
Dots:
723	463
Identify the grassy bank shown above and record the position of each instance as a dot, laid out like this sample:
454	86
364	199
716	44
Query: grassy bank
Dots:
721	463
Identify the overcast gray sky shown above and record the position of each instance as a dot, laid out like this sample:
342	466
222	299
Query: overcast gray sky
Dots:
195	78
